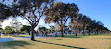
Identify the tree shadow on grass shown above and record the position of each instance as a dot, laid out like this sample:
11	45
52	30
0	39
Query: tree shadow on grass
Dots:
73	37
60	45
58	39
13	44
102	38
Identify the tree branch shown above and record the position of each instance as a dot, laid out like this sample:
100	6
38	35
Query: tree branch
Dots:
66	20
34	13
26	19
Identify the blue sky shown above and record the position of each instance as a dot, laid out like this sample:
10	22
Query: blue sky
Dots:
99	10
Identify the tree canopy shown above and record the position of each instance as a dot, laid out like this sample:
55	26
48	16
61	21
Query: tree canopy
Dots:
60	12
57	12
8	29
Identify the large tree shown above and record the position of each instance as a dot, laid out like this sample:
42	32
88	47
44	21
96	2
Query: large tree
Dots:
59	13
84	21
89	27
76	24
98	26
31	10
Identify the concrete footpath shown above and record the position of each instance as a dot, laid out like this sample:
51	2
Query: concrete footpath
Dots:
12	39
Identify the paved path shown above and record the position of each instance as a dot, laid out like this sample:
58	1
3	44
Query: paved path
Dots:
20	38
17	38
12	39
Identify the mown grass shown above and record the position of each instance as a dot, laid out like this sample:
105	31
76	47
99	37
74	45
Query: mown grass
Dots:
83	42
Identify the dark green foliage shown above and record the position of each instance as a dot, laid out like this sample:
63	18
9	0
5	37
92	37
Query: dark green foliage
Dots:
42	28
8	29
26	28
3	10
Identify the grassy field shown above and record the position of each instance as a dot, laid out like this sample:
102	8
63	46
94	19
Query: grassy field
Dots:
68	42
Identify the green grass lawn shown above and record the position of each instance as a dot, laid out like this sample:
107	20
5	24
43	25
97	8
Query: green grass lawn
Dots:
68	42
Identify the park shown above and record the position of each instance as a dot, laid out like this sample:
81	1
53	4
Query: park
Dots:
54	24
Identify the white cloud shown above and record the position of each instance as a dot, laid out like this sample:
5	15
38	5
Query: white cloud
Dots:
6	23
25	22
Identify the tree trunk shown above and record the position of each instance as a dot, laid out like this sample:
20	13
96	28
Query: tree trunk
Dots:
89	32
62	33
96	32
79	31
83	30
56	34
76	34
32	33
101	32
29	33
